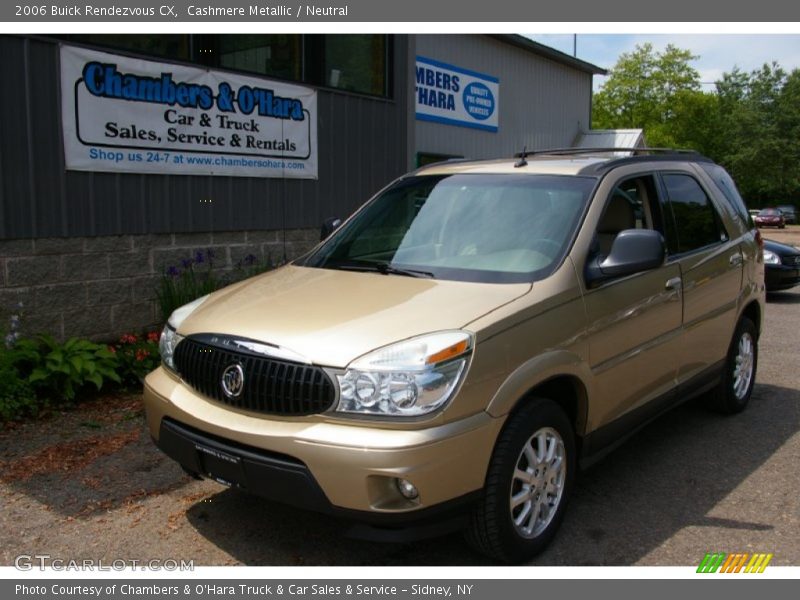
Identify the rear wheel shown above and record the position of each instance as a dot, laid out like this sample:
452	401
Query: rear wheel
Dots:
733	393
527	485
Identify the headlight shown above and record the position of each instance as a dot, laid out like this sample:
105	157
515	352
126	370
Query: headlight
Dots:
407	379
770	258
170	337
166	346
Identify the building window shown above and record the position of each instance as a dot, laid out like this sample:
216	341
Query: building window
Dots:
355	63
273	55
429	158
177	46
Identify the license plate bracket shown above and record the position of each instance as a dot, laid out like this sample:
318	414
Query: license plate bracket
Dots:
220	466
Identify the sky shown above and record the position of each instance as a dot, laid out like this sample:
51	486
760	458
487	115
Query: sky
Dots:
718	53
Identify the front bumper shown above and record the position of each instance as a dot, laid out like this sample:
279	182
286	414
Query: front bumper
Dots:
327	466
781	277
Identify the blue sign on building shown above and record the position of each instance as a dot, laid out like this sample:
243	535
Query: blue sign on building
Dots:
456	96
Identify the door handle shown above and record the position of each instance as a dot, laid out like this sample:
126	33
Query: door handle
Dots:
735	260
674	284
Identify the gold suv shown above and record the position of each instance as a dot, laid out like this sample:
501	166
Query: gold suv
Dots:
451	353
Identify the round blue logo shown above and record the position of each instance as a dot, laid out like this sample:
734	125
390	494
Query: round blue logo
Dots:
478	101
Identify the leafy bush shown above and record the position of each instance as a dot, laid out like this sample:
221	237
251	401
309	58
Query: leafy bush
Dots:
58	370
36	373
136	356
17	396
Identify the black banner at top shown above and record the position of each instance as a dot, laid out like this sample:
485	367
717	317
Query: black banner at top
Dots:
442	11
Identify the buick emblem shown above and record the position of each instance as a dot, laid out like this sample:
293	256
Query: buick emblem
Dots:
233	380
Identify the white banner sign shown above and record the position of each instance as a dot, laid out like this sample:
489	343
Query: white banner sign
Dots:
140	116
455	96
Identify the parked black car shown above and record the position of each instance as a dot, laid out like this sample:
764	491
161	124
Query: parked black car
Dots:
782	264
789	213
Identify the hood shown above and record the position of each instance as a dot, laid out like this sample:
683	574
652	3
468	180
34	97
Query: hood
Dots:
780	249
332	317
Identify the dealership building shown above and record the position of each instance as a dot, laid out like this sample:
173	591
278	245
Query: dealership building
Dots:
124	155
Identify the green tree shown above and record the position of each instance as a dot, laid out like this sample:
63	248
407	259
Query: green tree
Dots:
750	124
646	89
694	123
760	115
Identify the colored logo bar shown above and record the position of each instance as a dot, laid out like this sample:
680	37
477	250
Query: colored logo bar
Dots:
738	562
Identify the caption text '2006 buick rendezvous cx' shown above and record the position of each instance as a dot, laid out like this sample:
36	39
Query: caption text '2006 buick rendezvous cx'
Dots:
450	354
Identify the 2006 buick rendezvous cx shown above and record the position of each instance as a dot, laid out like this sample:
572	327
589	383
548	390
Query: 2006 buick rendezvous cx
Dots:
452	351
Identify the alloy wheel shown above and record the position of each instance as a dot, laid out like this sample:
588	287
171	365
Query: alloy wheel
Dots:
743	366
538	482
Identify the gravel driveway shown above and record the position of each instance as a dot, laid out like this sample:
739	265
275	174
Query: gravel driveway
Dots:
90	484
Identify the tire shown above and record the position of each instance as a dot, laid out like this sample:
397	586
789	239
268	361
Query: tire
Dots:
733	393
492	530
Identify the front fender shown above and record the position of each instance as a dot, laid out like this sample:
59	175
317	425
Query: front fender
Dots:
537	371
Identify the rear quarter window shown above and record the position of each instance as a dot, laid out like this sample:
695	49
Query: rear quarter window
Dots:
696	220
726	185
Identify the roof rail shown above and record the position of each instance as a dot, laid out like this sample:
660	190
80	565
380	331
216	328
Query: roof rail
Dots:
569	151
441	162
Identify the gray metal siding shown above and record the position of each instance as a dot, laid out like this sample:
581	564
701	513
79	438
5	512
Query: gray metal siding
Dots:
543	104
362	145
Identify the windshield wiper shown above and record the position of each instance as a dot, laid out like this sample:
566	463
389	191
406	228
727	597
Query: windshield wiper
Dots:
381	267
388	269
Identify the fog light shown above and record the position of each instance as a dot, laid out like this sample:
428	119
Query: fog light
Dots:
406	488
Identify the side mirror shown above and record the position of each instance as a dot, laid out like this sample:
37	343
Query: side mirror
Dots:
328	227
633	251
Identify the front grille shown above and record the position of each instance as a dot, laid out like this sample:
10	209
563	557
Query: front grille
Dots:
271	386
791	261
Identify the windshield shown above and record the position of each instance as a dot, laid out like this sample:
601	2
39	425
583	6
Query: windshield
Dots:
468	227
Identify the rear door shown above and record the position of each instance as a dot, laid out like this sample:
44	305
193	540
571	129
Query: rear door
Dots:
710	262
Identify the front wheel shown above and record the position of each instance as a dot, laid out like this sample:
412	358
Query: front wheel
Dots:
527	485
733	393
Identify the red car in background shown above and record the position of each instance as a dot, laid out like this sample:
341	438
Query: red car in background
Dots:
770	217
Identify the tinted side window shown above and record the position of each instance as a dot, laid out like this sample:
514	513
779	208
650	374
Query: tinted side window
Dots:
695	217
728	188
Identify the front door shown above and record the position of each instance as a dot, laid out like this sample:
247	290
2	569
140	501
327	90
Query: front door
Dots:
635	321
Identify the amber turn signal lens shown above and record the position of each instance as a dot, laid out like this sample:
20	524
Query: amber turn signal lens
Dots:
449	352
